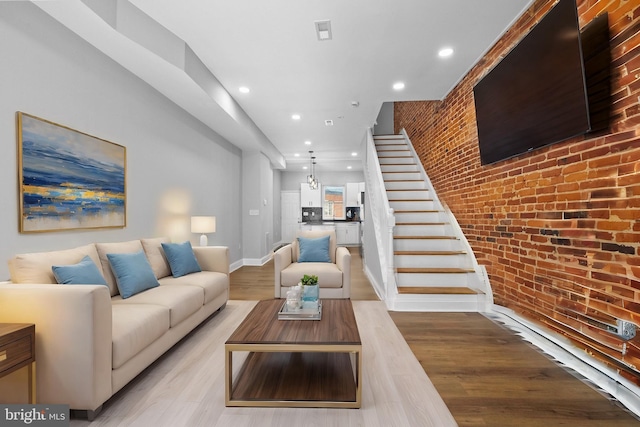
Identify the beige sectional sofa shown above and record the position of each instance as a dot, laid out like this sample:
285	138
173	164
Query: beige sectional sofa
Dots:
90	342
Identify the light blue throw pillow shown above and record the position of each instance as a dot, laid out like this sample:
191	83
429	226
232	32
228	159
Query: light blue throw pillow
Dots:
83	273
181	258
133	273
314	250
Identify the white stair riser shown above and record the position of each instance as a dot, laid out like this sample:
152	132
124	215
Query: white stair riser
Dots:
422	230
409	195
389	139
405	185
427	245
440	303
427	205
399	168
418	217
432	261
436	279
396	160
402	176
394	152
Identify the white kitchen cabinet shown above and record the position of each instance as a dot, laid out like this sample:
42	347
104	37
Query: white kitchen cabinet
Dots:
353	194
348	233
310	198
317	227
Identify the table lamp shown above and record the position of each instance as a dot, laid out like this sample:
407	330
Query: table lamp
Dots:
203	225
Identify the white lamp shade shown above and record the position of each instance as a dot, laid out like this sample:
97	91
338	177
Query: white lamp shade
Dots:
203	224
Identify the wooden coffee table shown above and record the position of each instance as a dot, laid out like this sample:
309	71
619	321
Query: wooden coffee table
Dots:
296	363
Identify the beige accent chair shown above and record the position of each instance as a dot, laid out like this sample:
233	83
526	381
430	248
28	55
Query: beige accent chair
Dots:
334	278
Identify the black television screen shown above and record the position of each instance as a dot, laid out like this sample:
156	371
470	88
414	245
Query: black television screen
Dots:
536	95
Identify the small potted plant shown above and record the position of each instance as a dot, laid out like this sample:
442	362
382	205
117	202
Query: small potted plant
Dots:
310	291
309	280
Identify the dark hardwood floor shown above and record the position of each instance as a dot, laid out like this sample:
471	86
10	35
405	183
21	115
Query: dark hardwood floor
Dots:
486	374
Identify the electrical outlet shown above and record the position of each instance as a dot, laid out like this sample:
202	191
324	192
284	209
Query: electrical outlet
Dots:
626	329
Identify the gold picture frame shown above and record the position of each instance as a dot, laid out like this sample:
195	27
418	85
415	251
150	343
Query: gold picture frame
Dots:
67	179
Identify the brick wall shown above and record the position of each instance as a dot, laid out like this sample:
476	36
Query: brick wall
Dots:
558	228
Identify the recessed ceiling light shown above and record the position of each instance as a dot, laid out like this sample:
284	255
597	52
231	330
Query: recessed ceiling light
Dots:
398	86
445	52
244	89
295	116
307	143
348	167
354	154
328	122
304	167
296	155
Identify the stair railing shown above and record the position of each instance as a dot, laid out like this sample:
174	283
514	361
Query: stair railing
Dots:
383	219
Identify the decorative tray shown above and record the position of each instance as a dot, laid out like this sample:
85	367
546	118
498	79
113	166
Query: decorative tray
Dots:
286	313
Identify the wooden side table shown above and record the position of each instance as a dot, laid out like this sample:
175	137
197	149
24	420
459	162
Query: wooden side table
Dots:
17	350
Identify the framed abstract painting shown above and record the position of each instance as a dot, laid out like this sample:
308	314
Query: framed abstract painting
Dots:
68	179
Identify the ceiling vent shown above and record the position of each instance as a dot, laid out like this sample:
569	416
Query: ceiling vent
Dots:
323	30
328	122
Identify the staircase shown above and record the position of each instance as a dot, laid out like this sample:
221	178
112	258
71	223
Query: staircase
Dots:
434	267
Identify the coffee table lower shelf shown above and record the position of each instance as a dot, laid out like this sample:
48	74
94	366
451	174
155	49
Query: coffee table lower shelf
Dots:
328	378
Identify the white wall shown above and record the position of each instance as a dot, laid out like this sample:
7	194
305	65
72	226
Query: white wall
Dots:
257	196
277	206
176	166
384	122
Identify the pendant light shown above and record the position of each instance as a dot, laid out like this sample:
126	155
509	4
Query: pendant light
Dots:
311	179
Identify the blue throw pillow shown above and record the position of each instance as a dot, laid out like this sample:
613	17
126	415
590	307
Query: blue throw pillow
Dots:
133	273
83	273
181	258
314	250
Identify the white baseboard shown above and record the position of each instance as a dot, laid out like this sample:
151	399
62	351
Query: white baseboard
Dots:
257	261
235	265
564	351
376	286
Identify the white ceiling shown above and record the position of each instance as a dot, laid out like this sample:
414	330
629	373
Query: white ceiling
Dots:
271	47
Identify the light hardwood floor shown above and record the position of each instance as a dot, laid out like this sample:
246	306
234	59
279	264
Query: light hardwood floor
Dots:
486	374
186	386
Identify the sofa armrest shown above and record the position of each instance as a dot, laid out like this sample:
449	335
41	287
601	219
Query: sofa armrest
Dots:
343	262
213	258
73	339
281	260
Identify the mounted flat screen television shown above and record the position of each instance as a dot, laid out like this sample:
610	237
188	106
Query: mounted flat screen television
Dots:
536	95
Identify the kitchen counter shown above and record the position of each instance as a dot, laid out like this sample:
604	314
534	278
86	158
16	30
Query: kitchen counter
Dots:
347	232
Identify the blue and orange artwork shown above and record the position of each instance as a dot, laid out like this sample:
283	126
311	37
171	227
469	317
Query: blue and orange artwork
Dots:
69	179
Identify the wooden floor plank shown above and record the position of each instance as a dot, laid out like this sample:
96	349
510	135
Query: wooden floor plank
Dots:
488	376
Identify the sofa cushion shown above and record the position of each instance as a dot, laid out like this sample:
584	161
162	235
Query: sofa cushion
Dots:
115	248
212	282
36	267
329	275
314	250
181	258
182	301
155	255
135	327
133	273
313	234
83	273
